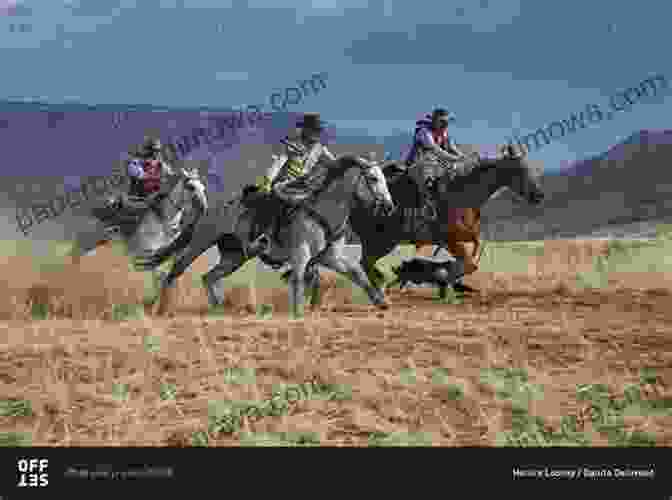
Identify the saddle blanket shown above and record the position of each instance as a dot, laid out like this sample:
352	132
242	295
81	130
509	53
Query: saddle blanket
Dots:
134	203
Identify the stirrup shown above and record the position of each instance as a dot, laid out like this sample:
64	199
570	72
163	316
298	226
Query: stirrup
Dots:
429	210
113	231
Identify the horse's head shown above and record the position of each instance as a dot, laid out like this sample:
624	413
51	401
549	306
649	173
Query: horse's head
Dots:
519	176
372	188
193	183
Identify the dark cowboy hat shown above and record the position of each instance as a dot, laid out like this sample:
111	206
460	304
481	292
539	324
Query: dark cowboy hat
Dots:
442	115
152	145
311	121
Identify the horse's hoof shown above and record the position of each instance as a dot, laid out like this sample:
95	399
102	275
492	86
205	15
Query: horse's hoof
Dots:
470	268
462	288
383	306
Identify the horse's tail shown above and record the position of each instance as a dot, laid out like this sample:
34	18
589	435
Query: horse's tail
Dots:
224	241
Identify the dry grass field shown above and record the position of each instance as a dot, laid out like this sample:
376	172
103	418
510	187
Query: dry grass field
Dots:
567	343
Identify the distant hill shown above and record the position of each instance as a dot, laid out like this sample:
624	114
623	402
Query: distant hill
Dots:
624	192
625	189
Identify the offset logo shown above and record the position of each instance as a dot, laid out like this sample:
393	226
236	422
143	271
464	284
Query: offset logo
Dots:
33	472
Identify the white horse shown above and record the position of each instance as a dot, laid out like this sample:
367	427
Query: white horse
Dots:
313	233
146	224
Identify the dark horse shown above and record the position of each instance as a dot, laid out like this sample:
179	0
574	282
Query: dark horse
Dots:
381	234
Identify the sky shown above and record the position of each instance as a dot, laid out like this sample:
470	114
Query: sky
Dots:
503	67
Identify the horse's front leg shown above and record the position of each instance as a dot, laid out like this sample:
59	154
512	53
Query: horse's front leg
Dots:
354	271
472	231
297	281
374	276
459	249
228	264
297	290
475	254
314	283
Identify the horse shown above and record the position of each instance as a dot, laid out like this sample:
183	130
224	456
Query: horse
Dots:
466	229
145	224
379	235
312	232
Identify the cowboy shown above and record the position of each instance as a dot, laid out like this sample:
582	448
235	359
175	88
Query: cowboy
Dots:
432	147
147	169
302	152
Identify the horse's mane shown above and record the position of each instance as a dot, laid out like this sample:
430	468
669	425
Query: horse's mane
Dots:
484	165
326	172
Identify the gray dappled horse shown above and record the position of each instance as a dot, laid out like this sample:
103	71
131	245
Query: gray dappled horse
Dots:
381	234
312	233
146	224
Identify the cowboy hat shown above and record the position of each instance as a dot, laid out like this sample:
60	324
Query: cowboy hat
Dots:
311	121
442	115
511	150
152	145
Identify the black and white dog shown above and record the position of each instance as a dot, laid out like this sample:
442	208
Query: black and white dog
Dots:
441	273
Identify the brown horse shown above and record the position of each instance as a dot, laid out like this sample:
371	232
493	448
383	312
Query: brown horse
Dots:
463	228
380	235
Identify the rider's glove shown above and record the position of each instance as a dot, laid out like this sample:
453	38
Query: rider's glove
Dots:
265	184
294	168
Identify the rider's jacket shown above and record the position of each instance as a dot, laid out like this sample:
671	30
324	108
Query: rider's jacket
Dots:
298	160
426	141
146	175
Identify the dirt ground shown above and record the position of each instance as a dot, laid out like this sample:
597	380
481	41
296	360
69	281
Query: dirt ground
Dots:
414	374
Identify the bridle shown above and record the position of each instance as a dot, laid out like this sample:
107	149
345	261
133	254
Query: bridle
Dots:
369	181
333	235
185	177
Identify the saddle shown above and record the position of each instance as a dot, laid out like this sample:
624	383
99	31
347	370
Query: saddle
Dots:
393	170
406	191
267	208
133	205
138	205
127	209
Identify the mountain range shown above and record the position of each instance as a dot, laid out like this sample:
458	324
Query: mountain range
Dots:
624	191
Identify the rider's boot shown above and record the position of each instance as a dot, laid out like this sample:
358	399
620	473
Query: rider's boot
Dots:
261	244
428	197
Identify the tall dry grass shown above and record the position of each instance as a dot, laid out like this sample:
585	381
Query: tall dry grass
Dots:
101	282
